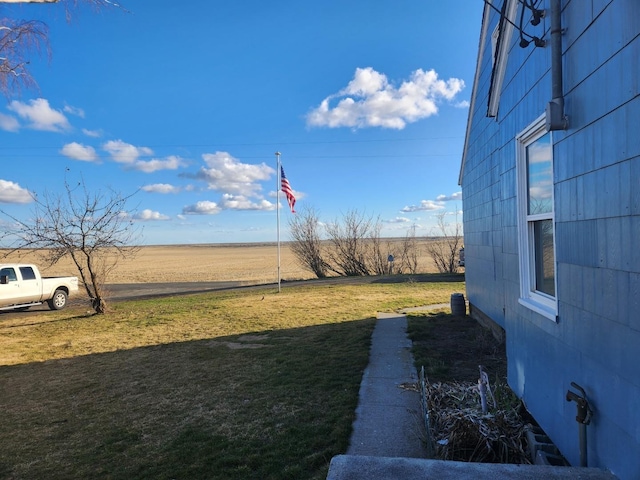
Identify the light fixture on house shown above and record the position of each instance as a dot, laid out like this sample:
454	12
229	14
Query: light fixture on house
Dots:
537	15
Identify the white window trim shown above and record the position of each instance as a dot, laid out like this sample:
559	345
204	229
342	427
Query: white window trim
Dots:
494	43
539	302
500	65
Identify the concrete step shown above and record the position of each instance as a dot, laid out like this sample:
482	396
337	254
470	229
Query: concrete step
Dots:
354	467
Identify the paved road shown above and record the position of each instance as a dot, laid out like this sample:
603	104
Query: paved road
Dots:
128	291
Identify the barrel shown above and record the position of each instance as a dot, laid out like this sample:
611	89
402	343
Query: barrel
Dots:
458	305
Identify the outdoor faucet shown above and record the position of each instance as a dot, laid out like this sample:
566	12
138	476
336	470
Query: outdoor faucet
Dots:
583	417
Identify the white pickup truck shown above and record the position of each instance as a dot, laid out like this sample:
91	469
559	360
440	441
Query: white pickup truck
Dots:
22	286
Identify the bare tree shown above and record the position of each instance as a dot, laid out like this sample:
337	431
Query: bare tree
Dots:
377	251
20	39
307	241
94	229
353	246
445	248
409	253
17	40
351	250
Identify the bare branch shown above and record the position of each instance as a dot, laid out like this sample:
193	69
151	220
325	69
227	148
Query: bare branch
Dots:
20	39
407	258
307	241
444	250
90	228
17	41
349	255
353	246
73	2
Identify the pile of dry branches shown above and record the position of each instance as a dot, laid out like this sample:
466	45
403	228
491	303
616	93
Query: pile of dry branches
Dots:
461	432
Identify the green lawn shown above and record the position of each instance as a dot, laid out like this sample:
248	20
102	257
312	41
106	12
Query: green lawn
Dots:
254	384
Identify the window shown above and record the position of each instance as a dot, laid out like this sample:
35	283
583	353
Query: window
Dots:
536	219
27	273
10	273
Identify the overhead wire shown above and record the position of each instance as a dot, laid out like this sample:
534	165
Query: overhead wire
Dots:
255	144
21	150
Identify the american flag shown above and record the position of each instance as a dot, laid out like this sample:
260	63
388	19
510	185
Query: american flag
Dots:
286	188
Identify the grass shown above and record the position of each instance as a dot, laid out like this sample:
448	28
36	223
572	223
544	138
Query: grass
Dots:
452	347
245	385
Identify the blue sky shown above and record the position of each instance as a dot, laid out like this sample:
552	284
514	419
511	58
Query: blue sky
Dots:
186	104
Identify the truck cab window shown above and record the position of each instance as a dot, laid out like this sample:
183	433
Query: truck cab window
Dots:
27	273
10	273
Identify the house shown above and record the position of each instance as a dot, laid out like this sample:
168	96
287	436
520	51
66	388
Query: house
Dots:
550	177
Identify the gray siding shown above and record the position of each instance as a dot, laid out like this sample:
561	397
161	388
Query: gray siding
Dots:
596	341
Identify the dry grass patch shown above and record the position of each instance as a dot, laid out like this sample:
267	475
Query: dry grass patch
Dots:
45	335
451	348
463	433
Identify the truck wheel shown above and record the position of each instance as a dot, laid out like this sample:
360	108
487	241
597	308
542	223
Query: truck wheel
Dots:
58	301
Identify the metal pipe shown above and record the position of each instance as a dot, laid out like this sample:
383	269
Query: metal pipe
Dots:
582	438
583	417
556	51
555	117
278	187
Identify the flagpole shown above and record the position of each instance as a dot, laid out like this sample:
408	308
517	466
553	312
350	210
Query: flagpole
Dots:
278	179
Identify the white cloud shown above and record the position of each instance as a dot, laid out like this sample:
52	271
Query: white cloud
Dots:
128	154
227	174
369	100
123	152
462	104
147	215
366	82
431	205
77	151
92	133
9	123
149	166
540	152
11	192
161	188
449	198
202	208
40	115
398	220
78	112
424	205
542	191
239	202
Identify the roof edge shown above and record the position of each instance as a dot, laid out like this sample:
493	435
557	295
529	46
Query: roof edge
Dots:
481	42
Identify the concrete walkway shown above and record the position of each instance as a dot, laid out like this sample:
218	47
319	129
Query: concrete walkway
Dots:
387	442
388	418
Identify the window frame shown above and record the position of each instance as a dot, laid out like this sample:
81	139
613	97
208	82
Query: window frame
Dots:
502	36
535	300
